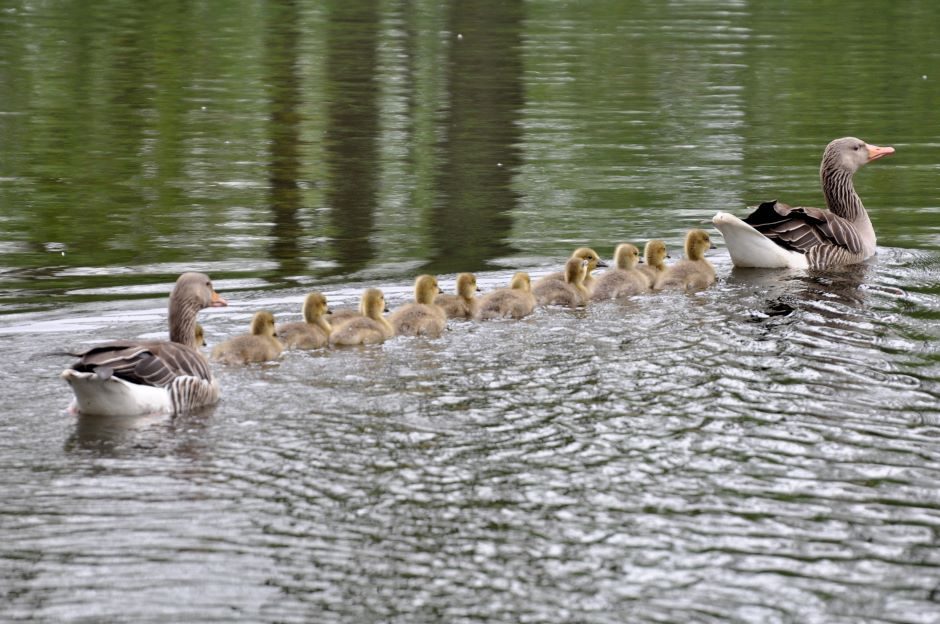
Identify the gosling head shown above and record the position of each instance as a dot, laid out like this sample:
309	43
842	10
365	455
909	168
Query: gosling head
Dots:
655	253
626	256
593	260
521	281
426	289
466	285
200	336
262	324
849	153
697	242
315	307
575	270
372	303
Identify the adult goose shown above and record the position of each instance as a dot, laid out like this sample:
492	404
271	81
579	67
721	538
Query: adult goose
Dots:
777	235
134	377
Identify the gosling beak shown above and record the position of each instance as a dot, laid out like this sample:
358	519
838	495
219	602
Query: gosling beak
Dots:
601	263
217	301
329	311
385	309
875	152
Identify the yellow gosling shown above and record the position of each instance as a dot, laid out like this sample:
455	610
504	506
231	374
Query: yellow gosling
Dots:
464	304
423	317
311	333
624	279
369	327
260	345
593	261
514	302
694	272
655	254
571	292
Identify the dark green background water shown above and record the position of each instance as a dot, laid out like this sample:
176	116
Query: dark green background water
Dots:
766	451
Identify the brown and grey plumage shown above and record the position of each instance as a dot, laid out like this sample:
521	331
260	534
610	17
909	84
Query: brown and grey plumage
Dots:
515	302
464	303
423	317
311	333
778	235
624	279
655	255
693	272
261	345
134	377
571	292
368	327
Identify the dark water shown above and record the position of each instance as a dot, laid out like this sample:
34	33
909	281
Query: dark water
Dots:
764	451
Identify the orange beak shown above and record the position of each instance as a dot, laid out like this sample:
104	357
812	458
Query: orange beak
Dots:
875	152
218	301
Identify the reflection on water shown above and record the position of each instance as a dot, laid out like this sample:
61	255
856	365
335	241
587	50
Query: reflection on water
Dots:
765	451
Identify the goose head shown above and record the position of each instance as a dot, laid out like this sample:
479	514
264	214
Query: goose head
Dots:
588	254
521	281
626	256
426	289
849	154
655	253
697	242
466	285
315	307
192	293
575	271
372	304
262	324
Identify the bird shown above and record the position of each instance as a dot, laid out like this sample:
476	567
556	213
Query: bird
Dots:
260	345
464	303
311	333
571	292
593	261
624	279
422	317
200	336
776	235
694	271
368	327
133	377
515	302
655	255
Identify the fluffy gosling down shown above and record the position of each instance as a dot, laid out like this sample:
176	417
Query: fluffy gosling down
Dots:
260	345
655	255
571	292
464	303
311	333
514	302
593	261
367	327
423	317
624	279
694	272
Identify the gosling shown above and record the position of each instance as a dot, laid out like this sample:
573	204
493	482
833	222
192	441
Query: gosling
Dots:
368	327
694	272
655	255
571	292
623	280
311	333
593	261
515	302
260	345
464	304
423	317
200	336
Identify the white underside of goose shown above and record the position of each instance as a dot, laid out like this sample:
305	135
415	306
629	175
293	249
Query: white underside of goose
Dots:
750	248
115	396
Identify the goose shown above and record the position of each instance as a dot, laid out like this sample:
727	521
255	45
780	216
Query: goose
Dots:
261	345
779	236
369	327
593	261
571	292
134	378
694	272
655	255
464	303
515	302
624	279
311	333
423	317
200	336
